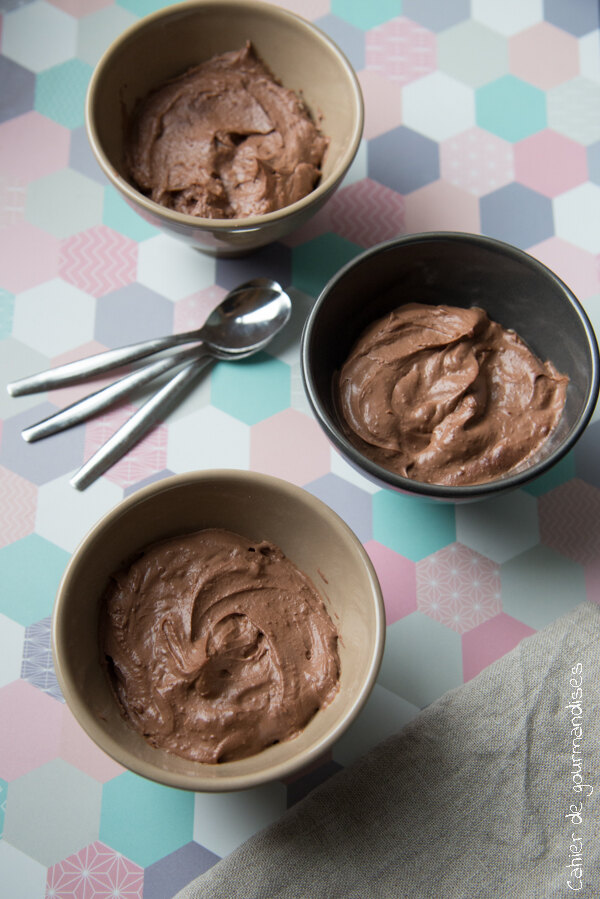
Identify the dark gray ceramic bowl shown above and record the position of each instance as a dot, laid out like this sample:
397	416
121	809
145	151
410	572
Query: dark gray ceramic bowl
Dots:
462	270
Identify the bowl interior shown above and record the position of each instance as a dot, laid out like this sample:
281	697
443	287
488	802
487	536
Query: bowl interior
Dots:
259	507
461	270
167	43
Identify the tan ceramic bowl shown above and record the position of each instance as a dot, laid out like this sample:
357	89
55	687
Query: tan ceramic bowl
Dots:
257	506
168	42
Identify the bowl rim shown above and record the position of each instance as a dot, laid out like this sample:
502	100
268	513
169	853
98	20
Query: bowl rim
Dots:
237	225
224	782
392	480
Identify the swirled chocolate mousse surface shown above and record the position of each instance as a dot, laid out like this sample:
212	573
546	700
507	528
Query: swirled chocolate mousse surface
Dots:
217	647
443	395
225	140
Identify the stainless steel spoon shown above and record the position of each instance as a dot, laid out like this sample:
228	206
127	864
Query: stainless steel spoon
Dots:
156	407
237	322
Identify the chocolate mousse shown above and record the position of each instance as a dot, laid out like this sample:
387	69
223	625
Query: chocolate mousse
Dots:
444	395
224	140
216	646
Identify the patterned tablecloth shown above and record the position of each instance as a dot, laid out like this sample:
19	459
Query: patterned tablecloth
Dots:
481	116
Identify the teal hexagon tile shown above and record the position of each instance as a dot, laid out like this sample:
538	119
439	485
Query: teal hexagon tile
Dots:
499	528
7	305
316	261
22	876
510	108
366	15
99	29
28	590
80	510
412	527
67	812
472	53
409	642
222	821
119	216
59	32
168	817
60	92
190	446
560	473
64	203
539	586
12	640
384	714
16	361
144	7
3	796
251	389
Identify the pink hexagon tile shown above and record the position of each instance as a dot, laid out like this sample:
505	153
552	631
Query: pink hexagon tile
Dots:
544	55
577	268
191	312
476	161
490	640
95	871
98	260
366	213
27	712
148	456
18	499
13	195
550	163
401	50
569	517
383	103
81	752
43	257
398	578
458	587
289	445
441	206
32	146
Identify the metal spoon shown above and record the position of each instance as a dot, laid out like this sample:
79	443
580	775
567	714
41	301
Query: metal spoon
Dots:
239	321
155	408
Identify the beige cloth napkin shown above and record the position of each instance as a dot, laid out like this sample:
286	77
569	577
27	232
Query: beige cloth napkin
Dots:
493	791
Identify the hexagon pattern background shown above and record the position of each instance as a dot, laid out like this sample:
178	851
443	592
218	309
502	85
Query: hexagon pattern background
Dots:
480	116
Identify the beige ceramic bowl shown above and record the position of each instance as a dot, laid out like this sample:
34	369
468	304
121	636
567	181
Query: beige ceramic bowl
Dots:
168	42
259	507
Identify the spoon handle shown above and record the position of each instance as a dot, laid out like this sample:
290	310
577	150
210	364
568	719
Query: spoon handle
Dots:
135	428
72	372
107	396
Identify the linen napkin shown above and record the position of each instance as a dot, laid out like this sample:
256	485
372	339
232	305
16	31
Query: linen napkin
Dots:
492	791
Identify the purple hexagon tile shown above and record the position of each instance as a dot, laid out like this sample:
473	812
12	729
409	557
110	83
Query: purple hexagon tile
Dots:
544	55
490	640
349	502
171	873
398	579
383	103
37	666
289	445
518	215
577	18
476	161
569	517
349	38
403	160
130	314
26	712
18	93
458	587
98	260
401	50
441	207
146	457
18	499
93	872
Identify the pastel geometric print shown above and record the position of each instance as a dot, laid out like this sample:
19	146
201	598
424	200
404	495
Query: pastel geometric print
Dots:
96	872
